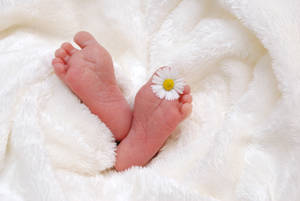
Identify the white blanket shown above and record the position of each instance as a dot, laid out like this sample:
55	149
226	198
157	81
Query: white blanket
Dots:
241	143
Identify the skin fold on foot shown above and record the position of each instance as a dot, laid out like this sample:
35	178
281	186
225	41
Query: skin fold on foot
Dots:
154	120
89	73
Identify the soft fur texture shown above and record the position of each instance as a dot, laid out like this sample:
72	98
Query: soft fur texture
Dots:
241	58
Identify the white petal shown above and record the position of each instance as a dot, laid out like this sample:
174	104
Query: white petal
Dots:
164	73
168	95
161	94
179	80
172	95
179	91
173	74
175	95
158	91
157	80
160	77
156	88
161	73
179	88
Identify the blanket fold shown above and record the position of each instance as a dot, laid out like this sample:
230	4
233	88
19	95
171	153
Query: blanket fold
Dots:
240	57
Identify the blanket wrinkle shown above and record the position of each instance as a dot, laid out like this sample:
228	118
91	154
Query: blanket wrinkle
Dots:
240	57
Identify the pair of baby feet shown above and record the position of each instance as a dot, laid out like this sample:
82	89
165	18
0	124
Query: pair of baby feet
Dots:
89	73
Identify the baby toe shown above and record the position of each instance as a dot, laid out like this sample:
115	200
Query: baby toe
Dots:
57	60
186	99
187	89
66	59
186	109
59	68
68	47
60	53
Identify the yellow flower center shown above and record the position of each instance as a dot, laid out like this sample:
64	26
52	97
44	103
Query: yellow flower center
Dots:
168	84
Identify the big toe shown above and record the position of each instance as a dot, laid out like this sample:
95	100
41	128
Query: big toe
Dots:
83	39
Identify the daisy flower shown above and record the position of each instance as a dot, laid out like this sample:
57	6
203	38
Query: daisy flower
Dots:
167	84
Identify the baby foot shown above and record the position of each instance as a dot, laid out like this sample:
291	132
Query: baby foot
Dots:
89	73
154	120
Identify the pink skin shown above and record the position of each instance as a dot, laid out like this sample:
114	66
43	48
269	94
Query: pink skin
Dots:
90	75
154	120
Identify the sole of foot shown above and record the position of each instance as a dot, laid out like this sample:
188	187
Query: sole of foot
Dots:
154	120
89	73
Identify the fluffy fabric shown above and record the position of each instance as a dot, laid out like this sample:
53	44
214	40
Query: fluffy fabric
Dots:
241	58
